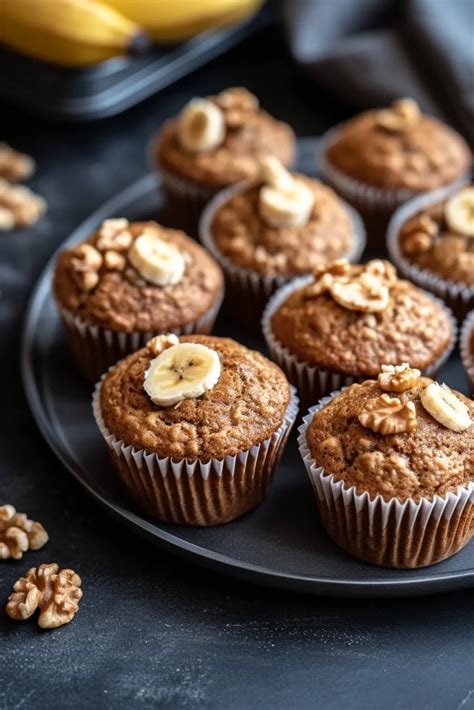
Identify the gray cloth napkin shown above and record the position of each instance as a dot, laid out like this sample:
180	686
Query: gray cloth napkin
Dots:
370	52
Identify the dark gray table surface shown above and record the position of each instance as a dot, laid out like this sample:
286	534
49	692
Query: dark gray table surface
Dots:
154	631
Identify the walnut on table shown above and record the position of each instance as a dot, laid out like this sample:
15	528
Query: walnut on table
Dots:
19	534
15	166
56	593
19	206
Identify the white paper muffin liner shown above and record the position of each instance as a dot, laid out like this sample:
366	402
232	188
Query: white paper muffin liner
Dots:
185	200
197	493
458	296
375	204
95	349
465	348
247	291
313	382
388	533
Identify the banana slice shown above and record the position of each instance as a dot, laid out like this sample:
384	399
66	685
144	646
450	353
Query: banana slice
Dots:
445	407
286	208
275	174
183	371
201	126
459	212
159	262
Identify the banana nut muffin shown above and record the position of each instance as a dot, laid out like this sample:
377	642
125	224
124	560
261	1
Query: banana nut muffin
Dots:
348	321
264	232
216	142
395	459
400	148
198	402
249	240
132	280
392	449
382	158
439	238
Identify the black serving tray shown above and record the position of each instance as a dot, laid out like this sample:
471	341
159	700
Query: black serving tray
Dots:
281	543
117	84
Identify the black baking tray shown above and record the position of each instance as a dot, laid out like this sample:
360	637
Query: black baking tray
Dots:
117	84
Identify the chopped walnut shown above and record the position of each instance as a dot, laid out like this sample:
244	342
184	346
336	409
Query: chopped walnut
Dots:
320	286
398	378
388	415
367	294
114	261
417	243
85	263
19	206
340	267
56	593
15	166
401	115
19	534
237	98
383	270
162	342
114	235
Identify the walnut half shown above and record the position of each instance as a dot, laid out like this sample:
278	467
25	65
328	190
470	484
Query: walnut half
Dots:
398	378
388	415
19	534
56	593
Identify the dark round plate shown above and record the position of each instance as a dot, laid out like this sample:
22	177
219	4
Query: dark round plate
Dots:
281	543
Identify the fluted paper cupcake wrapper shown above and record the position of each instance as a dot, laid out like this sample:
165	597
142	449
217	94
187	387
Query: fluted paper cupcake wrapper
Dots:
94	349
388	533
375	204
197	493
314	382
247	291
458	296
185	200
465	348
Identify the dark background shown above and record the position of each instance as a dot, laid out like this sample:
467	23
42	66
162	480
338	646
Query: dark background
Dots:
154	631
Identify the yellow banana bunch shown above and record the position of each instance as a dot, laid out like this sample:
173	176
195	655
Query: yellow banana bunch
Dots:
72	33
177	20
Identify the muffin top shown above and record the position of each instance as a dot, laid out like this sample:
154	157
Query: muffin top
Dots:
400	148
137	277
440	238
242	404
352	319
271	230
398	443
217	141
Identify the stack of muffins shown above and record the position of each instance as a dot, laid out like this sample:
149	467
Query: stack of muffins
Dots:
195	424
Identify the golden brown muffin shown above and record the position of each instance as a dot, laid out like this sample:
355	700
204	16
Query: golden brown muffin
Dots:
439	244
114	292
353	319
427	461
123	300
208	420
245	238
399	148
244	408
250	133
